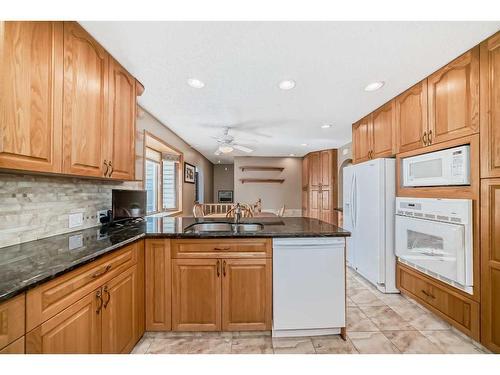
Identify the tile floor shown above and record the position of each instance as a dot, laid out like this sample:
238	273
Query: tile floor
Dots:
376	323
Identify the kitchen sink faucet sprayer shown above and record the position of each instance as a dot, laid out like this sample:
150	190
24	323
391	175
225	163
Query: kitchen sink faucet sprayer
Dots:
237	213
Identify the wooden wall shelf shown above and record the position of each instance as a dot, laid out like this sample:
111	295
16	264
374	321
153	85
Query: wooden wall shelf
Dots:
261	168
262	180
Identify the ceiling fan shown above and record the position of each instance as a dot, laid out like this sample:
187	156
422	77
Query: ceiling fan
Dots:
227	144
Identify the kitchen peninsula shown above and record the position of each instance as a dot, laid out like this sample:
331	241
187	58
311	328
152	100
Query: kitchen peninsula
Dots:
98	290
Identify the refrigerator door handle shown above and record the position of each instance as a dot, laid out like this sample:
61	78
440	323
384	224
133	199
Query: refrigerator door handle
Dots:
352	201
355	195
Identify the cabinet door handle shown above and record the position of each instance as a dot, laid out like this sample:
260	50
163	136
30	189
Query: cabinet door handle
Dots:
100	273
218	268
224	268
107	168
99	300
111	171
424	138
429	136
222	248
109	296
425	292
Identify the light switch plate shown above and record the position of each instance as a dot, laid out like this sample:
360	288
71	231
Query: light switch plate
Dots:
75	220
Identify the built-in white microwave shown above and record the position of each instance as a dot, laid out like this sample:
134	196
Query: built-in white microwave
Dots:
439	168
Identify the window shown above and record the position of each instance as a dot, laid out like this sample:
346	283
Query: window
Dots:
162	176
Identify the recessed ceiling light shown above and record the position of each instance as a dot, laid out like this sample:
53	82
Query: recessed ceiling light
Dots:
292	154
374	86
218	161
326	126
287	84
303	144
195	83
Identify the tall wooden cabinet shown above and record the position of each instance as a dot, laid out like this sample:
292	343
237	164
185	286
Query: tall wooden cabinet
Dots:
320	194
362	140
490	107
66	106
31	65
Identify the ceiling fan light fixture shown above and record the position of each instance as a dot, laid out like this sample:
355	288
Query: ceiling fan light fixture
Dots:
195	83
287	84
374	86
226	149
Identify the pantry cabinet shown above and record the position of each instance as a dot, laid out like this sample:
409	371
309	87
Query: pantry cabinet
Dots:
320	195
411	118
453	99
490	264
66	105
490	107
31	65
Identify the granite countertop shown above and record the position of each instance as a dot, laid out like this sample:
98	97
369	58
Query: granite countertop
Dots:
26	265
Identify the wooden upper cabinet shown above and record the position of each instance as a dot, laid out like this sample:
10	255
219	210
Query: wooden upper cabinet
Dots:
411	117
362	139
120	315
383	142
490	107
196	294
246	294
85	104
326	168
122	93
314	170
30	95
75	330
305	172
453	94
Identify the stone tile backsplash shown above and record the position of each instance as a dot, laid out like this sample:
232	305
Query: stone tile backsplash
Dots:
33	207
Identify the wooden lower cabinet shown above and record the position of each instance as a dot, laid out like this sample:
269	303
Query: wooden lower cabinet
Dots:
460	311
16	347
75	330
120	313
11	327
246	294
196	295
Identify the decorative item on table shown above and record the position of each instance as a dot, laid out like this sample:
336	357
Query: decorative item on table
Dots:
189	173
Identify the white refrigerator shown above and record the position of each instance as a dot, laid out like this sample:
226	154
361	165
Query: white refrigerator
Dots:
369	201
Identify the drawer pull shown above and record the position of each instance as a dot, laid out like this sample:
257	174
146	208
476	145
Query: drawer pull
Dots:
100	273
218	268
428	294
222	248
224	268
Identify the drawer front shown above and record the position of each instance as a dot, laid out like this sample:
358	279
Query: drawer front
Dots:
461	312
12	314
50	298
218	248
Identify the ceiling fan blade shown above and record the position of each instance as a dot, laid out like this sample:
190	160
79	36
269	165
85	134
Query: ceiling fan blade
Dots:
217	152
242	148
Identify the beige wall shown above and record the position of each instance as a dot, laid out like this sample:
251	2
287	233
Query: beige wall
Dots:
273	195
223	178
344	153
145	121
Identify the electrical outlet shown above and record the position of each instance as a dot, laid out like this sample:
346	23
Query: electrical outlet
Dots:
75	242
75	220
101	213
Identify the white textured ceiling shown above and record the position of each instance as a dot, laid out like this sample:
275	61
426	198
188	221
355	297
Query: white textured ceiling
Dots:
241	64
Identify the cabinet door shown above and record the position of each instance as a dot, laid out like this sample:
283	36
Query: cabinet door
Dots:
85	104
490	265
158	285
305	172
30	95
314	203
383	131
196	295
17	347
314	170
411	117
122	122
246	294
362	135
328	162
490	107
75	330
120	314
453	93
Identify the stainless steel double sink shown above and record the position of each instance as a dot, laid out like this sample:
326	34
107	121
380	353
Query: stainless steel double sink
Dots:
224	227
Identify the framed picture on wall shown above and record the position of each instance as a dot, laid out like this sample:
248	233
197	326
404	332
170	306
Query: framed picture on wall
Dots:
189	173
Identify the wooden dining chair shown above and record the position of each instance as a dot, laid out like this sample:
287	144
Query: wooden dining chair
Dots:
246	211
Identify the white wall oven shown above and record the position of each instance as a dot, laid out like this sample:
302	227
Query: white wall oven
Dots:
439	168
435	236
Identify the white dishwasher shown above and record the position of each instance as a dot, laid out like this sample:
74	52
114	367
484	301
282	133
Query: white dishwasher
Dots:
308	286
